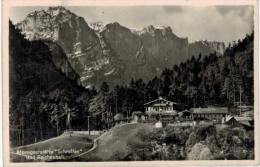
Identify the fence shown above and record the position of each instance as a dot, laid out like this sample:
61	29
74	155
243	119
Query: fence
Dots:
91	133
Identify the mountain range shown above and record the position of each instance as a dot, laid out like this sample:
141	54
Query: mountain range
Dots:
111	52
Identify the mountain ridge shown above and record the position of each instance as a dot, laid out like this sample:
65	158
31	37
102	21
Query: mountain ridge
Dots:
112	52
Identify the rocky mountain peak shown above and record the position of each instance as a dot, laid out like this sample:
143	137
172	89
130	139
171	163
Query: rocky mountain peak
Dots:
97	26
60	11
112	52
167	28
37	13
152	30
51	13
46	24
57	9
115	25
148	29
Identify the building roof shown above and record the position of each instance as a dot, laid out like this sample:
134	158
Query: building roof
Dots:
248	113
239	118
186	111
247	123
210	110
242	120
138	113
159	100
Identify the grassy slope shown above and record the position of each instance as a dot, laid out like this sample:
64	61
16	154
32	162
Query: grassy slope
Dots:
117	143
64	142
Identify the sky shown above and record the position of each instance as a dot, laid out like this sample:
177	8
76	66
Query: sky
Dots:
218	23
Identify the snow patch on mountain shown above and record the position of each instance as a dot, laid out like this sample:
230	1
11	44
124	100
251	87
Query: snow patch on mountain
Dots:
97	26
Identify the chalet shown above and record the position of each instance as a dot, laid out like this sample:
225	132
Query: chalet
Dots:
160	107
209	113
240	121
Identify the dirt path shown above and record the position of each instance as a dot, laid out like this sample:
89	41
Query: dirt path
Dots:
116	143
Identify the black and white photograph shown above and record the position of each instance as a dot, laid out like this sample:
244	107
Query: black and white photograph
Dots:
131	83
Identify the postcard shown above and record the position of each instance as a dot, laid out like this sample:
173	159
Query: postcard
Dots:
130	83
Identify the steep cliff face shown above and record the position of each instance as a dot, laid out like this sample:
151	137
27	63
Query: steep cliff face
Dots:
163	47
111	52
38	65
127	47
206	47
80	43
148	51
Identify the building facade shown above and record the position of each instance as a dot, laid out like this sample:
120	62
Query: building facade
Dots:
209	113
160	107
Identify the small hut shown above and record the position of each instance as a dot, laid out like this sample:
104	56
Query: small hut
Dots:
119	118
138	116
238	121
186	115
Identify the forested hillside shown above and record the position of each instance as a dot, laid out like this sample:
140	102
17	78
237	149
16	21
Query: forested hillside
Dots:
198	82
41	96
46	98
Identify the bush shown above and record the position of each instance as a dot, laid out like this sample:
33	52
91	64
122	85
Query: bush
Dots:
177	135
205	154
199	152
195	143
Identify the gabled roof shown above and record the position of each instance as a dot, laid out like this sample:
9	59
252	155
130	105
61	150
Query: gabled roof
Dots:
239	119
246	123
138	113
160	98
242	120
209	110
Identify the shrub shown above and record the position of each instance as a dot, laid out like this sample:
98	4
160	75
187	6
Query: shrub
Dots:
199	152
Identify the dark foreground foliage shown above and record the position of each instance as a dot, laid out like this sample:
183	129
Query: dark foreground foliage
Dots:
41	94
196	143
